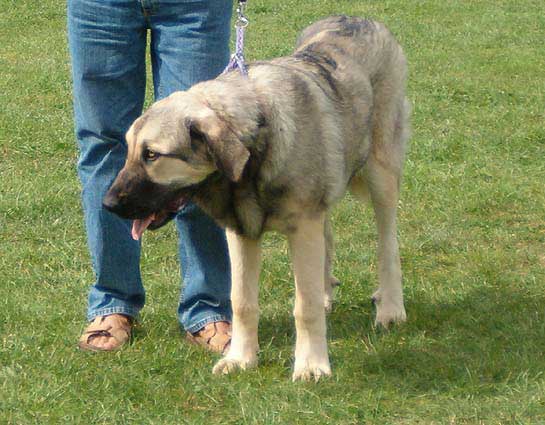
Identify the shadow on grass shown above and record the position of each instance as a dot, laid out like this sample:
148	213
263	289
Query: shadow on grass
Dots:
476	341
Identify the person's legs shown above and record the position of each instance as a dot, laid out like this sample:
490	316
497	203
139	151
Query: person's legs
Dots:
107	41
190	43
205	296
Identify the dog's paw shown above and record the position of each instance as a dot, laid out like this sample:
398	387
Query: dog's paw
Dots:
311	371
389	316
228	365
388	311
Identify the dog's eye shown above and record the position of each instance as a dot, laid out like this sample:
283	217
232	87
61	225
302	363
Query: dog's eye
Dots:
150	155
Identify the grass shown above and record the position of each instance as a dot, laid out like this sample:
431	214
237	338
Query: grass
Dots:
472	234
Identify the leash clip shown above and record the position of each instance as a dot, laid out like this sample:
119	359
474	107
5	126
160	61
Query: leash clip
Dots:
242	20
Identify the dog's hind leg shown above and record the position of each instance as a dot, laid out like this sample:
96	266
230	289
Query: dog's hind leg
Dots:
307	246
380	181
382	175
380	185
245	255
330	281
388	298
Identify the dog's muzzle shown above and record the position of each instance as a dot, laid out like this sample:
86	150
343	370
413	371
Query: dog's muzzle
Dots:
149	205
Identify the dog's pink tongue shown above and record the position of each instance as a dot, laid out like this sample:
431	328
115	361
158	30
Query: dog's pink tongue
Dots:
140	225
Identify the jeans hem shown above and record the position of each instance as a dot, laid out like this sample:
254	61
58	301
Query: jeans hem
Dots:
203	322
127	311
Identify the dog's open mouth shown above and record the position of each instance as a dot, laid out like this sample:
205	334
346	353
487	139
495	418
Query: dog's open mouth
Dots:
158	219
165	210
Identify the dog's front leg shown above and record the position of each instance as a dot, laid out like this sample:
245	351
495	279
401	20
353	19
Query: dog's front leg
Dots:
245	255
307	246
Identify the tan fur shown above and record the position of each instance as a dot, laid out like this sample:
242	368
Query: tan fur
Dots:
275	151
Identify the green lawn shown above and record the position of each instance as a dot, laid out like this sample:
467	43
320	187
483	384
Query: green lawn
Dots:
472	234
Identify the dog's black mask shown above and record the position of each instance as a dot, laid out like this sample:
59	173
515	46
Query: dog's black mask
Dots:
134	196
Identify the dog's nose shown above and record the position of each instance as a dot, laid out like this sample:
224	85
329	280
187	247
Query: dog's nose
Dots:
111	201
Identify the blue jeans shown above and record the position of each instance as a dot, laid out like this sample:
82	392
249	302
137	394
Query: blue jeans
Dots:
189	43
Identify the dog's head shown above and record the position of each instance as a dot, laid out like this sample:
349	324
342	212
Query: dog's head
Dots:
175	146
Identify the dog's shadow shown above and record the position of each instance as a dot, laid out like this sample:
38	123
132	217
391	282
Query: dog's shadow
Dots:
487	336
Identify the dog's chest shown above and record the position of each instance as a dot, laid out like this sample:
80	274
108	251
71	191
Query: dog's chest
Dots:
257	209
252	207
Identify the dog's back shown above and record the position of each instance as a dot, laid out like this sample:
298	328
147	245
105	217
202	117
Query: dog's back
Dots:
369	63
365	44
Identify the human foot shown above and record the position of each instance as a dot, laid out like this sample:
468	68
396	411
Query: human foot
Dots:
215	336
106	333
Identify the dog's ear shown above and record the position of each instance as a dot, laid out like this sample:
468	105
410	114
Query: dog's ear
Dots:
225	146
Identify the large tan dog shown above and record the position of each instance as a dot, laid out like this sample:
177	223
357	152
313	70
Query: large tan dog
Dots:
275	151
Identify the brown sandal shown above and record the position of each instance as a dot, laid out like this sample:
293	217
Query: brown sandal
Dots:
116	326
215	336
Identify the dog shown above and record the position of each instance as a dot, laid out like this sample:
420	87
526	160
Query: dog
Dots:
276	150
